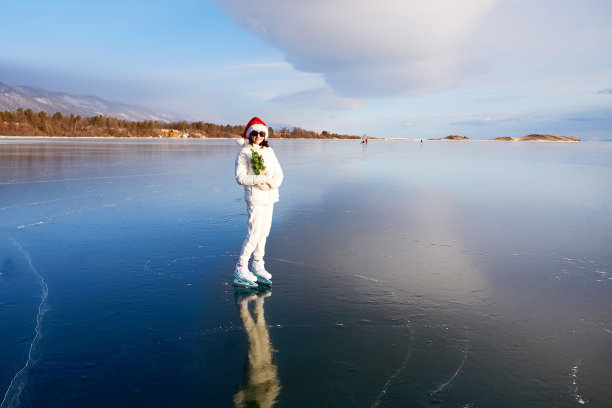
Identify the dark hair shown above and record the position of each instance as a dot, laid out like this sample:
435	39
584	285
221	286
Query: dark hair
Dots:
264	143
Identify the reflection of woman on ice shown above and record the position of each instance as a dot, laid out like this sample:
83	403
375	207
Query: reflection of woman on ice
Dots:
262	385
261	180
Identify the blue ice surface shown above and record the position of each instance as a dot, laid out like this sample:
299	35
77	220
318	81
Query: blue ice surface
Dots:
455	273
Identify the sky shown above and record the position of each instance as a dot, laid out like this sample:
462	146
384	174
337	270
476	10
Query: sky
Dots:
390	68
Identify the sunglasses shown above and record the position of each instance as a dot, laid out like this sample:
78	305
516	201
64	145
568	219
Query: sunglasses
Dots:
256	133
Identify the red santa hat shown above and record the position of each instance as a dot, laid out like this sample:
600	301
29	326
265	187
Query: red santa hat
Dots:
254	124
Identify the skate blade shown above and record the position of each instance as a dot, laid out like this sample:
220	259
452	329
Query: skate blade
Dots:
264	281
241	283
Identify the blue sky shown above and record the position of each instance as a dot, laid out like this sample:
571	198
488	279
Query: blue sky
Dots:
392	68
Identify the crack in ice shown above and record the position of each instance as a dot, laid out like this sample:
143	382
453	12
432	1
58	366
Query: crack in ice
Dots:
465	355
397	372
45	294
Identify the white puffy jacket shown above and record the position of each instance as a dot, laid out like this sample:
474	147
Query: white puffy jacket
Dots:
248	178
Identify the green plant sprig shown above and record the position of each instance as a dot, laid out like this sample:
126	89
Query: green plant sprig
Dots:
257	162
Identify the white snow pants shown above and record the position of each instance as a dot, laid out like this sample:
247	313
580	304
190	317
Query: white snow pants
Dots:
260	221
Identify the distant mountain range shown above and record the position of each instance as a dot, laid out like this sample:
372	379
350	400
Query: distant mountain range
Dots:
25	97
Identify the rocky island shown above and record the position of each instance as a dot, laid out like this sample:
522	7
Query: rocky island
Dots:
453	137
539	138
528	138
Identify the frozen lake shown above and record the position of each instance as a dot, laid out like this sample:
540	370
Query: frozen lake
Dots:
460	274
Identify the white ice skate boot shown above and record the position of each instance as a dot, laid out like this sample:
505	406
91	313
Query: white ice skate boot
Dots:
244	278
263	277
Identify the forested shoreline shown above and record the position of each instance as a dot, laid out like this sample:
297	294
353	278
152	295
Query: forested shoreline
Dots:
22	122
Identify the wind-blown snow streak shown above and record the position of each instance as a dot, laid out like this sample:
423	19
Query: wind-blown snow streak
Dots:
397	372
465	354
15	182
369	279
286	260
69	211
45	202
43	298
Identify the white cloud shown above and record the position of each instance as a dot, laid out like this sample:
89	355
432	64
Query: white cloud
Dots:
364	48
321	98
487	121
263	65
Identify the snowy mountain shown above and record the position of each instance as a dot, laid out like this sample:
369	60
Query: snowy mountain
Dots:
37	99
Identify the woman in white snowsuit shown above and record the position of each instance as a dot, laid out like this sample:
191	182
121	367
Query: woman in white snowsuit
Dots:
260	193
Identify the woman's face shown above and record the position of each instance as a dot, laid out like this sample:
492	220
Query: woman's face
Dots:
257	137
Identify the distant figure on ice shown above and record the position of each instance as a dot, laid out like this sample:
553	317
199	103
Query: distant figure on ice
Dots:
364	139
258	170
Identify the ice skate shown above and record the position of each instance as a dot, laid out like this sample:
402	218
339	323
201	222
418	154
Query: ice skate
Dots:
244	278
258	269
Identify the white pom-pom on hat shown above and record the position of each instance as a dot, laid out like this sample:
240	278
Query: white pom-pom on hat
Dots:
240	141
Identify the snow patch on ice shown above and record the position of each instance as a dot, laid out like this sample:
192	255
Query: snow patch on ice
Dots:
30	225
574	390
